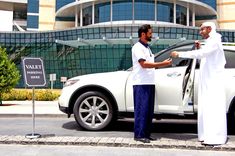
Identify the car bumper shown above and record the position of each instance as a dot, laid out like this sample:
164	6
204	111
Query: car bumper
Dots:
64	109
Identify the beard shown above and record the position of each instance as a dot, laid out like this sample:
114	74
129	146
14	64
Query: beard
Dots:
148	39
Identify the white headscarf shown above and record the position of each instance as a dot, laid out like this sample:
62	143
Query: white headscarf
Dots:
213	32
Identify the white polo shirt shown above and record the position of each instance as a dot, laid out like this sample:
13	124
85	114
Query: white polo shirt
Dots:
142	75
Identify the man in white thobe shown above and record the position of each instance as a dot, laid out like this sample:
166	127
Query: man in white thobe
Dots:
212	122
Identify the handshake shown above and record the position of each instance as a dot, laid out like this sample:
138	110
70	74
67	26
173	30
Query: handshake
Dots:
175	54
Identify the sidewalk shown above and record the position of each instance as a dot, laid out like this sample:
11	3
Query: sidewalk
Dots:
50	108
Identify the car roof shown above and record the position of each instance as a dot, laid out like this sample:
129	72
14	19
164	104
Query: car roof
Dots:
226	45
174	46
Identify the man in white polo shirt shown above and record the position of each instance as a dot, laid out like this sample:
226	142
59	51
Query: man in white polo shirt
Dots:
144	84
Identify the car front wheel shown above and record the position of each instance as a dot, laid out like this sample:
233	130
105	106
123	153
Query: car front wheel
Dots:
93	111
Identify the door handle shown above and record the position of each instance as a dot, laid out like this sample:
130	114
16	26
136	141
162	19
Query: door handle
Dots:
174	74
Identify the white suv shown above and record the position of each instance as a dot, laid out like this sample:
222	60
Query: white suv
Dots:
98	99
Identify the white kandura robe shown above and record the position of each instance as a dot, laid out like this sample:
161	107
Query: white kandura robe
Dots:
212	121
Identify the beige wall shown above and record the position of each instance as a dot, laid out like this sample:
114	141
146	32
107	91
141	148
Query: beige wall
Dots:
199	22
226	14
63	25
46	14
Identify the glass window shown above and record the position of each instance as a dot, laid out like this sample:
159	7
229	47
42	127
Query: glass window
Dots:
181	15
165	11
122	10
61	3
33	6
144	10
102	12
230	57
32	22
87	15
176	62
20	15
211	3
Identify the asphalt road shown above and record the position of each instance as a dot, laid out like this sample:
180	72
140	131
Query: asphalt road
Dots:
59	126
42	150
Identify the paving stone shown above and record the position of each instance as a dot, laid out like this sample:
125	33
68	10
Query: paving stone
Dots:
192	144
156	144
69	140
103	141
94	140
111	140
173	143
165	143
126	142
181	143
55	139
107	141
86	141
118	141
3	138
114	141
132	143
80	139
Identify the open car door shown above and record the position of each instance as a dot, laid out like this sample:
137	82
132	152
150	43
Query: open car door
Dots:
174	85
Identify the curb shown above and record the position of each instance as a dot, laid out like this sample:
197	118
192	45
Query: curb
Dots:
112	142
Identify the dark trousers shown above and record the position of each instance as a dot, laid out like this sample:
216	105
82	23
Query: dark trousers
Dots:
144	109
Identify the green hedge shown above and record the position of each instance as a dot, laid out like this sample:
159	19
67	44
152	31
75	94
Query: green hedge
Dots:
26	94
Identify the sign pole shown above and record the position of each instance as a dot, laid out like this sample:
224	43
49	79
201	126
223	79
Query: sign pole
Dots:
33	135
34	76
51	84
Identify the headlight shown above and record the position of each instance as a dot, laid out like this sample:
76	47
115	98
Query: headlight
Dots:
70	82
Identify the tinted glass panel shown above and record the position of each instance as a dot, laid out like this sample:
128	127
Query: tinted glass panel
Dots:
144	10
61	3
176	61
211	3
102	12
230	57
181	14
87	16
165	11
32	22
33	6
122	10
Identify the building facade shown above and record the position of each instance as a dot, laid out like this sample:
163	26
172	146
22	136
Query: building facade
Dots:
76	37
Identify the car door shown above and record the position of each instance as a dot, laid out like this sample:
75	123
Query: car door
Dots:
174	85
170	82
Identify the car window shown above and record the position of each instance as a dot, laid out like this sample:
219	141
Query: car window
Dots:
230	57
165	54
176	61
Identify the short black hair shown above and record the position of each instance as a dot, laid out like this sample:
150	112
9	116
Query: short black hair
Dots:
144	29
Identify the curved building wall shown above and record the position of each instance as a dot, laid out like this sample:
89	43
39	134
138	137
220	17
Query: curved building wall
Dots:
71	61
211	3
178	12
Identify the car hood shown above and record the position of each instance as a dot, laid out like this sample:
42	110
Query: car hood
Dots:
103	77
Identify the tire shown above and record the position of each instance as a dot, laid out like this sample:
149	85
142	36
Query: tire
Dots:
92	116
231	122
